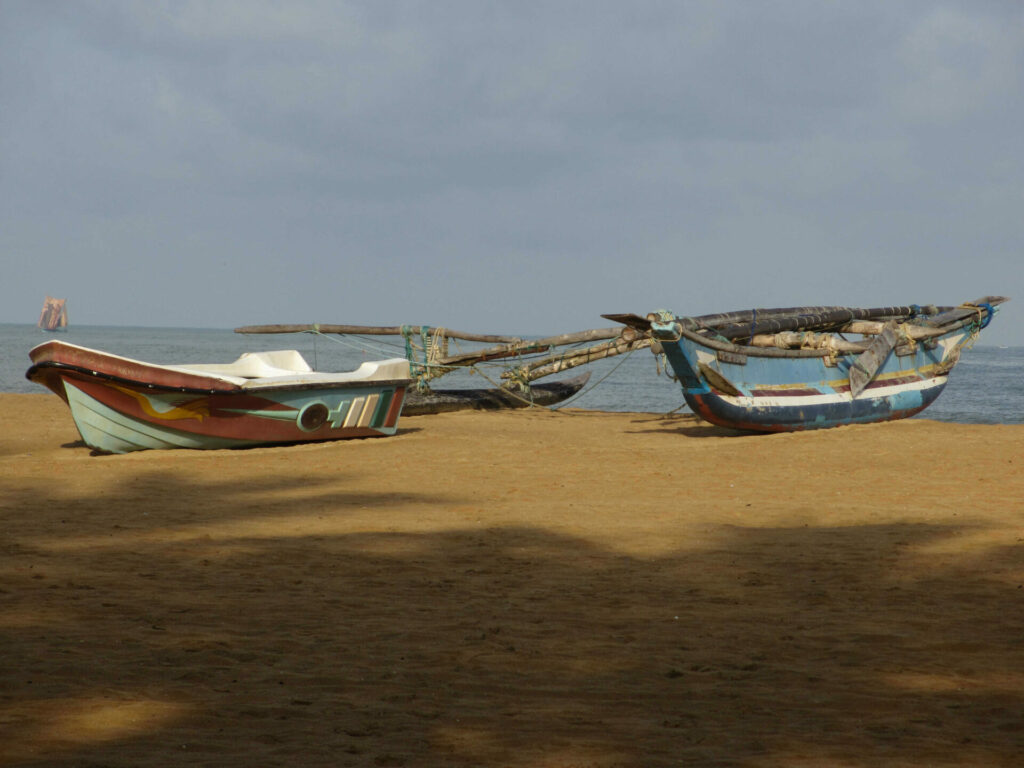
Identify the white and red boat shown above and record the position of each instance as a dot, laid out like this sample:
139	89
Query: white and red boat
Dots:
121	405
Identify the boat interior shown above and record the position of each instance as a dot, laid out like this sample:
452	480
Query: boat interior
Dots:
281	367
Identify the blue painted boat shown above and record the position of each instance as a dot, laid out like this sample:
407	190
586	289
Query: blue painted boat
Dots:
783	370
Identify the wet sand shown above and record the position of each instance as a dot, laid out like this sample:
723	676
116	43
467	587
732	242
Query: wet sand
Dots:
515	589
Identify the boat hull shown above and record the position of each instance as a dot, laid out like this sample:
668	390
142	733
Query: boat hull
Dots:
447	400
773	414
775	393
115	413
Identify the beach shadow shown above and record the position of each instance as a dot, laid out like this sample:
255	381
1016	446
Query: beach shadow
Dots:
687	425
707	430
517	646
160	498
77	444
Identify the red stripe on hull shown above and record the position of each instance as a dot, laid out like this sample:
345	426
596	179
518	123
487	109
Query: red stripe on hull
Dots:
395	409
807	392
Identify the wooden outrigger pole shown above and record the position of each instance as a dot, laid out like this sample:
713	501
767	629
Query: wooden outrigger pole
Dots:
517	388
377	330
503	347
790	327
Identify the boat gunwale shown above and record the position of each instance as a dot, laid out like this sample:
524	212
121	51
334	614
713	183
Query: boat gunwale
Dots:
234	389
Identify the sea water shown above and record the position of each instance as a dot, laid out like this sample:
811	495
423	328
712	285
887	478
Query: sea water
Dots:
987	387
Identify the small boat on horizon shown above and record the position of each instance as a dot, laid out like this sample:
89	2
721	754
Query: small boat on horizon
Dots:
784	370
54	315
262	398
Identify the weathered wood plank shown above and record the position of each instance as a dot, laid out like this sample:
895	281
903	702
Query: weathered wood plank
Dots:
866	366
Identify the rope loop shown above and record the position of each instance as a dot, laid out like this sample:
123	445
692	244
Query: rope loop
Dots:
989	311
665	316
985	312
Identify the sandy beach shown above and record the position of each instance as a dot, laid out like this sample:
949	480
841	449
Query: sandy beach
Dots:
515	589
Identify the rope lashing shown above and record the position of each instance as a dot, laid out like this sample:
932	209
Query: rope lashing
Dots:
420	369
904	334
989	311
409	354
985	312
667	316
438	345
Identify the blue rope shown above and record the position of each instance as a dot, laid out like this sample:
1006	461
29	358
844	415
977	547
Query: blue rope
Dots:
989	311
407	335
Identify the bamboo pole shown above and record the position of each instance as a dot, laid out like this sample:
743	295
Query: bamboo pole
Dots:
869	328
534	346
820	321
378	330
723	318
581	336
791	339
491	353
862	327
556	363
775	321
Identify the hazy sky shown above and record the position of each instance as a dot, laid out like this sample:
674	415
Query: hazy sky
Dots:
514	167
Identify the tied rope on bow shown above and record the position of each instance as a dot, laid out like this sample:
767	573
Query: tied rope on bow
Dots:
419	370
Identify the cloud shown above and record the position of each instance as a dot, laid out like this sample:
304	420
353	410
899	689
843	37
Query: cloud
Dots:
470	160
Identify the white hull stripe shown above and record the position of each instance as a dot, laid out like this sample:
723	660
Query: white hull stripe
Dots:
798	401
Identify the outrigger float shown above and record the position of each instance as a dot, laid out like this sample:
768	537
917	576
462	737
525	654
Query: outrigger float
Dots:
782	370
429	352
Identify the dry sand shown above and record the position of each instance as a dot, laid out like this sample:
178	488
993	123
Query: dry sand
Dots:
515	589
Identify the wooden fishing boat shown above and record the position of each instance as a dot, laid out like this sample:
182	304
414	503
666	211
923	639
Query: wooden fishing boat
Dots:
54	315
781	370
494	399
121	405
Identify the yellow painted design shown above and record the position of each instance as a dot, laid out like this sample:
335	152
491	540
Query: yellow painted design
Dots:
190	409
